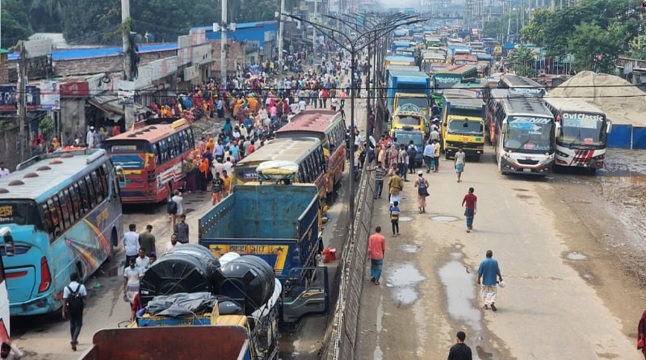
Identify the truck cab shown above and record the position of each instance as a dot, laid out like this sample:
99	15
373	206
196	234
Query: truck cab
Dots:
404	137
463	126
411	118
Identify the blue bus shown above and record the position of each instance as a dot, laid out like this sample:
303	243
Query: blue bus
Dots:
64	214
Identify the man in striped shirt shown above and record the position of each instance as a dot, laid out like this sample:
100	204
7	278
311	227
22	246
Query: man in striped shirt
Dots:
380	172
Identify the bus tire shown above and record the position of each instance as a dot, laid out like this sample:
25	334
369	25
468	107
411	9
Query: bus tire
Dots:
114	242
79	271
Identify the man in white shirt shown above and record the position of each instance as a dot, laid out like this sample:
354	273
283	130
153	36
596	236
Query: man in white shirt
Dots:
228	165
89	138
178	199
173	242
131	242
74	289
429	154
142	261
302	105
4	172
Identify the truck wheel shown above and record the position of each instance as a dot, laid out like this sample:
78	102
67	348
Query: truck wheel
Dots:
446	155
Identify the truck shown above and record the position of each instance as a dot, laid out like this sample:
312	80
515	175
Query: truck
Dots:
281	224
417	137
153	343
234	303
410	118
409	82
463	123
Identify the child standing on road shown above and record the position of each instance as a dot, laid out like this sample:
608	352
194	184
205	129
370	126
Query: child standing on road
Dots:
394	217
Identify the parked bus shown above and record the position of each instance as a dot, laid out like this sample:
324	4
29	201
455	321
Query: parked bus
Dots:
525	133
521	84
306	152
327	126
5	322
449	76
150	160
64	214
584	133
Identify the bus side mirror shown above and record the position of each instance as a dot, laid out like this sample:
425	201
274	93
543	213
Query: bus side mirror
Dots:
608	127
504	127
557	131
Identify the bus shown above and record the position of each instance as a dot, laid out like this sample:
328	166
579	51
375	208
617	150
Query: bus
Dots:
306	152
525	133
449	76
521	84
327	126
64	213
5	322
584	132
150	159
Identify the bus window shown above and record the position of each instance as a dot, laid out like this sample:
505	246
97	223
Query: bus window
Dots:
47	221
67	197
57	215
158	157
98	191
65	211
76	203
85	196
90	188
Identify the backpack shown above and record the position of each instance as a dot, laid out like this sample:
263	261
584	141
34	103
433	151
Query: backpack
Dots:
412	152
171	207
75	300
421	188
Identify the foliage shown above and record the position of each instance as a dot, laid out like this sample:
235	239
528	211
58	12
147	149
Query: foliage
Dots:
15	22
46	126
93	21
594	31
496	27
523	60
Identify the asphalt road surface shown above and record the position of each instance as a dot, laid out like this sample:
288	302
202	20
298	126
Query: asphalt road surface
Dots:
562	245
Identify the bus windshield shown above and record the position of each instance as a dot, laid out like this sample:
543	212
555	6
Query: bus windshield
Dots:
525	133
20	212
420	102
445	81
476	112
405	138
582	129
465	127
409	120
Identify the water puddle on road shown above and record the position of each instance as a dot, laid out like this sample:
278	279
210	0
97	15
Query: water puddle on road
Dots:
576	256
402	281
405	218
444	218
460	292
410	248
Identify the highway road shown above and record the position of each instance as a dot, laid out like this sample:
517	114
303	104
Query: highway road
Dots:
563	250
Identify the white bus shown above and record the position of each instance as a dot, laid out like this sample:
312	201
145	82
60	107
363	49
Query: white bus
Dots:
584	133
525	133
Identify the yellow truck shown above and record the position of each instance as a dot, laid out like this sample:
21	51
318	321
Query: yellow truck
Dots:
463	125
422	101
409	117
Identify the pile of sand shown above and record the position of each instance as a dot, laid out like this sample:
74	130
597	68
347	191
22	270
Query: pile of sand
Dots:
622	102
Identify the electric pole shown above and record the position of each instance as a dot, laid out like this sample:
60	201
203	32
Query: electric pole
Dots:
223	43
127	61
314	30
21	95
281	30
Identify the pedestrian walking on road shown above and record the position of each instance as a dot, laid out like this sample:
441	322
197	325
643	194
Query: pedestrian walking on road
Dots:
131	243
181	229
488	271
376	250
394	217
470	203
641	334
147	239
422	191
395	186
429	155
380	172
460	161
436	155
460	351
74	295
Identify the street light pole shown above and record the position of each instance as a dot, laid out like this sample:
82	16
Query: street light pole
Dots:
281	30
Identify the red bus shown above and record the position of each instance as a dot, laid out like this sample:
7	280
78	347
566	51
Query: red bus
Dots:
149	159
329	128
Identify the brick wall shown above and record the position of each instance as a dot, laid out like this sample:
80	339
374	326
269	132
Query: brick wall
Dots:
104	64
234	53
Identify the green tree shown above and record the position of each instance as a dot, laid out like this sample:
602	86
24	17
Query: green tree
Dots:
596	49
523	61
15	22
